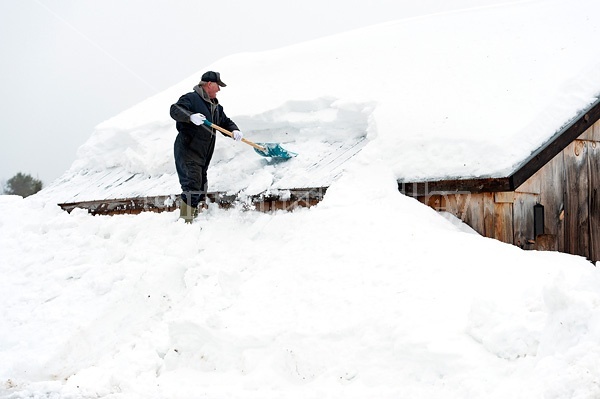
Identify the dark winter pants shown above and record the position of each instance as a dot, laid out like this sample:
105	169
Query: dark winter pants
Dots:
192	174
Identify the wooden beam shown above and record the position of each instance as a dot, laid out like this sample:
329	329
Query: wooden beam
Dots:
123	205
455	186
282	199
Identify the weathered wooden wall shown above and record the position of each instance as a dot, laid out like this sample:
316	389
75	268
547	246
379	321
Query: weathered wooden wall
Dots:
569	189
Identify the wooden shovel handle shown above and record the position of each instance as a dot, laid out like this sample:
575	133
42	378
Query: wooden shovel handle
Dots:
227	132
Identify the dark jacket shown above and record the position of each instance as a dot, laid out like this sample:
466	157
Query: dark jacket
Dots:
198	140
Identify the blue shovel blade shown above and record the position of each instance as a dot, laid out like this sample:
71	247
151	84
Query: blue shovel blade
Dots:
274	150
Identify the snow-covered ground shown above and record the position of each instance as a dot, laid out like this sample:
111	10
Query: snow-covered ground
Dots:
369	294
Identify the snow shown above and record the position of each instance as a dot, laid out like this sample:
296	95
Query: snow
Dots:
369	293
461	94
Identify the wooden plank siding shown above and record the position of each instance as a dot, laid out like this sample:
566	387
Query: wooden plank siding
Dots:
594	197
568	186
489	212
552	180
576	198
503	222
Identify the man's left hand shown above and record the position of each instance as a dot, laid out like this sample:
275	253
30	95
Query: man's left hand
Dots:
237	135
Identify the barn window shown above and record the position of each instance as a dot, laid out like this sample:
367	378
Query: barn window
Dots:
538	220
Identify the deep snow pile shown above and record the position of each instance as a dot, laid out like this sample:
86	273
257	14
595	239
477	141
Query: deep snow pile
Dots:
124	162
368	294
470	93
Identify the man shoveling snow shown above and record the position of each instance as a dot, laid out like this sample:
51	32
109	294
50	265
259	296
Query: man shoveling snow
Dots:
195	143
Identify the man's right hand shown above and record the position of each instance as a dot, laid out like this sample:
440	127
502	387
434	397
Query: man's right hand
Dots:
197	119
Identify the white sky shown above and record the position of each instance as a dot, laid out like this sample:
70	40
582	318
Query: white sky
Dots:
67	66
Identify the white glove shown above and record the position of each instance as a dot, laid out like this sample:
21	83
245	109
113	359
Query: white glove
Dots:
237	135
197	119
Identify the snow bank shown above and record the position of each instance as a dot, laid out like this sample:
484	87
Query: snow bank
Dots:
368	294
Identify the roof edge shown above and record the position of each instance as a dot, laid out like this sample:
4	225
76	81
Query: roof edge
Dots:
540	157
558	142
280	199
455	186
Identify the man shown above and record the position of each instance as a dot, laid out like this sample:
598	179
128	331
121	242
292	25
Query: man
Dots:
195	142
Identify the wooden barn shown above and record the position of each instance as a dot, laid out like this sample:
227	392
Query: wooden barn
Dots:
550	202
531	178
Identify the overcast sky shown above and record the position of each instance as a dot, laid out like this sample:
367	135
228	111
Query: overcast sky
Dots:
68	65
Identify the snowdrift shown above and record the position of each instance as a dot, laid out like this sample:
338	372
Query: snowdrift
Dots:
455	95
369	294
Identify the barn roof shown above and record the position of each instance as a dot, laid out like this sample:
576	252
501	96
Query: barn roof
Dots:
559	141
481	95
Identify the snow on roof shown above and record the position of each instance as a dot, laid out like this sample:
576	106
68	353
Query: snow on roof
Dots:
453	95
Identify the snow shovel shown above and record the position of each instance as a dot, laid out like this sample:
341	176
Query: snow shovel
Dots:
272	150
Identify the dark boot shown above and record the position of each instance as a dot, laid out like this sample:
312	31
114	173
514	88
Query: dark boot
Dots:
187	212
